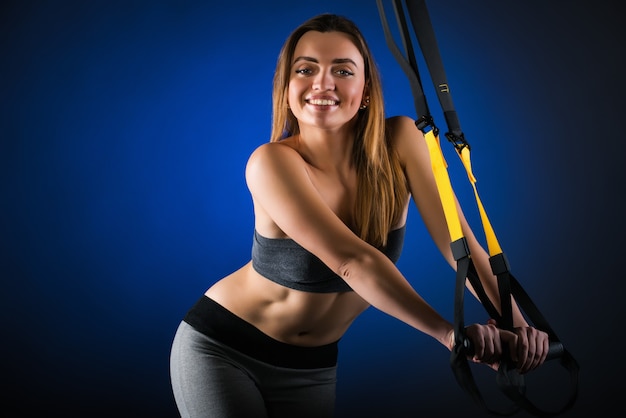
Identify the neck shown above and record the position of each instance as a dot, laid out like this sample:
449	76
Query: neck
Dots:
327	148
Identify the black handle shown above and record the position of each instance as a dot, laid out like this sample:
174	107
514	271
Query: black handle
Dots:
555	350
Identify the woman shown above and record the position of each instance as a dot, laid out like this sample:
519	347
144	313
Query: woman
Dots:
331	192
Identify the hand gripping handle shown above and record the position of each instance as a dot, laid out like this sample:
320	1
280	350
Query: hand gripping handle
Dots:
555	350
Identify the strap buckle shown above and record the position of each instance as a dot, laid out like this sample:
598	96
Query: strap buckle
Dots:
426	121
458	140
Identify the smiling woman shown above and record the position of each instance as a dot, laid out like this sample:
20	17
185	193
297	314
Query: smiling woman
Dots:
124	131
331	192
314	85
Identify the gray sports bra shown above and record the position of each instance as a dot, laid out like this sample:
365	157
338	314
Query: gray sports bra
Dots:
285	262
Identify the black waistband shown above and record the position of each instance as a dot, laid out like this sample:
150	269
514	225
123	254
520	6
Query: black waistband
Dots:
215	321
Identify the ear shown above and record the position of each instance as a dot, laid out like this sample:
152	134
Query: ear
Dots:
366	91
365	100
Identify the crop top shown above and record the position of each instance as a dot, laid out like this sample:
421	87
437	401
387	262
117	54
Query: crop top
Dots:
285	262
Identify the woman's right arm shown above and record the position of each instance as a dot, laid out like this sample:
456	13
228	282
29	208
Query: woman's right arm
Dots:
284	194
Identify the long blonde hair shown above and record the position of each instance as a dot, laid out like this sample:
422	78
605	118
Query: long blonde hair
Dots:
382	189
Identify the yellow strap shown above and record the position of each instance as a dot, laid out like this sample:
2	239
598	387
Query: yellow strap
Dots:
492	241
439	167
440	170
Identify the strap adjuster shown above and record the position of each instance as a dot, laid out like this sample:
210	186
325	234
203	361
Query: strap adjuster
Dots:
426	121
460	249
458	140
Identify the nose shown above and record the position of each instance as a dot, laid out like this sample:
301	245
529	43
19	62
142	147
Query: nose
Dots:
323	81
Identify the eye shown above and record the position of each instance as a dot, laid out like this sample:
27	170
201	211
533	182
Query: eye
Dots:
345	73
303	71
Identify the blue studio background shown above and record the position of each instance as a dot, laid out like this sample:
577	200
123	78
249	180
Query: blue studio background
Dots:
125	127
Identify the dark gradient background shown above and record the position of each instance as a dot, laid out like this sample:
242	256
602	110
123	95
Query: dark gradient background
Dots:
125	127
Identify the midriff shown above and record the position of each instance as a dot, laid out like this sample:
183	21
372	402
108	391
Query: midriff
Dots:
291	316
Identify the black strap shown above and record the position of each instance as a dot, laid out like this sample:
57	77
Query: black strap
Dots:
462	347
508	378
409	65
509	381
428	44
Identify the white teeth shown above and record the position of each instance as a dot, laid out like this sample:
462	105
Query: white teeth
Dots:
322	102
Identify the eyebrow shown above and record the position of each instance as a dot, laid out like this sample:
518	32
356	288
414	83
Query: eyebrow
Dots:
335	61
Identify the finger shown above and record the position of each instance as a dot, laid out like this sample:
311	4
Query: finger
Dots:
491	352
525	351
537	349
493	347
479	348
542	346
511	340
497	351
546	349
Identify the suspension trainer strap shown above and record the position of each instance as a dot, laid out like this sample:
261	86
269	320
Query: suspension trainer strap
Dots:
508	285
465	270
509	381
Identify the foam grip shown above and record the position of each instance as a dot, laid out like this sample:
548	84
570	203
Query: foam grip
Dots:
555	350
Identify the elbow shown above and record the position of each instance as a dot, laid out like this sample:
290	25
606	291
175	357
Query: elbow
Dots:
356	267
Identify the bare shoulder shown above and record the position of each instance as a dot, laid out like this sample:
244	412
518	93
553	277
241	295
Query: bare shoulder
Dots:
272	153
274	158
400	122
400	129
281	189
404	137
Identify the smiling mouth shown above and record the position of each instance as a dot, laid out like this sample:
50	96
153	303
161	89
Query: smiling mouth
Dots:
322	102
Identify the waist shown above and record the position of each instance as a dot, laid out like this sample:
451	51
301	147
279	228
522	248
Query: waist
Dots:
215	321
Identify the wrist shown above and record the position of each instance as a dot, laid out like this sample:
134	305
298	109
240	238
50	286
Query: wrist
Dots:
448	339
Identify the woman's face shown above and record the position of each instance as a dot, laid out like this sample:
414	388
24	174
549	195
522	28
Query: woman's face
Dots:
327	80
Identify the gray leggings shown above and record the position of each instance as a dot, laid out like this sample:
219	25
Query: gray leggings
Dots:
212	380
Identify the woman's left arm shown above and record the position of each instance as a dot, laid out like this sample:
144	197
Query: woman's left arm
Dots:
410	146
